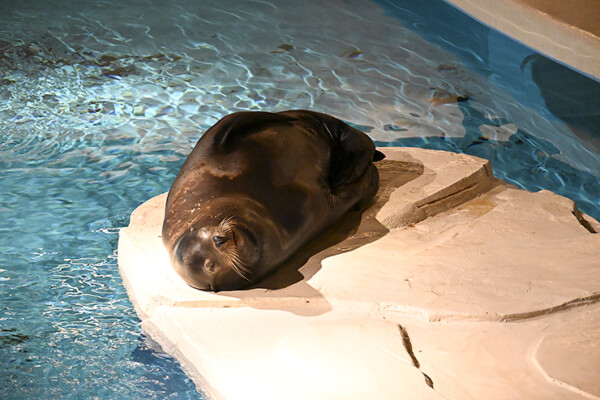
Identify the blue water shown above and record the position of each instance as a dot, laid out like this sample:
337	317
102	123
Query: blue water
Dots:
68	329
525	160
101	101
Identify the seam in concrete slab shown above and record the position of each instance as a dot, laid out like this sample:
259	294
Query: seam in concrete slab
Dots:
403	310
582	301
556	381
289	303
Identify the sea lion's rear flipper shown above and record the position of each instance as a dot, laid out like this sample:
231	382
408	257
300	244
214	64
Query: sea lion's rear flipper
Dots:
378	156
350	158
352	151
232	128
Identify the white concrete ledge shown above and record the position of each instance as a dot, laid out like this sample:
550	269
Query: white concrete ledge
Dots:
548	34
453	286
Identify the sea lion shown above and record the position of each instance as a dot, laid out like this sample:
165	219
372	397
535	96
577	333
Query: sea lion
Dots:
259	185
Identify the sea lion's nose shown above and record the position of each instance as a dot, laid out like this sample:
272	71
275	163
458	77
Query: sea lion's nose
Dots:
211	282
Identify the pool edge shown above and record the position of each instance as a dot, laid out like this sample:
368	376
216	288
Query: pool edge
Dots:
543	32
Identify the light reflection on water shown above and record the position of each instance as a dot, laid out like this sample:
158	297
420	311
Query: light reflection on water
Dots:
100	104
68	328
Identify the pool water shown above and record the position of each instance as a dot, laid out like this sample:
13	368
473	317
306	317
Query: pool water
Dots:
101	101
560	152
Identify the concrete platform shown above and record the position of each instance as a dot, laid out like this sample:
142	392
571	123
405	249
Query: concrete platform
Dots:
453	285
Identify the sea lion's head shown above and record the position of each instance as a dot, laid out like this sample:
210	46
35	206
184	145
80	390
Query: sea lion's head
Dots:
219	257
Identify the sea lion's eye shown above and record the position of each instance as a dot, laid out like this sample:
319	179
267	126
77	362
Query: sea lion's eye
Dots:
220	240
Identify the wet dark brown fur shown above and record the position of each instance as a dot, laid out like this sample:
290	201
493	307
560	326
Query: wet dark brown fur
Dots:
258	186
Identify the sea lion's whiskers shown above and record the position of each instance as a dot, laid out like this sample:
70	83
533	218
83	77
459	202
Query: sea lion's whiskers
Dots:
237	265
238	269
226	226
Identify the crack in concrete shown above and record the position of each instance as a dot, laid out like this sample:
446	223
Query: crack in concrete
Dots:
408	346
434	201
582	221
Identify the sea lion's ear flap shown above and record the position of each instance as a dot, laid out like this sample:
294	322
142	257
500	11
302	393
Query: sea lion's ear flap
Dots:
232	128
